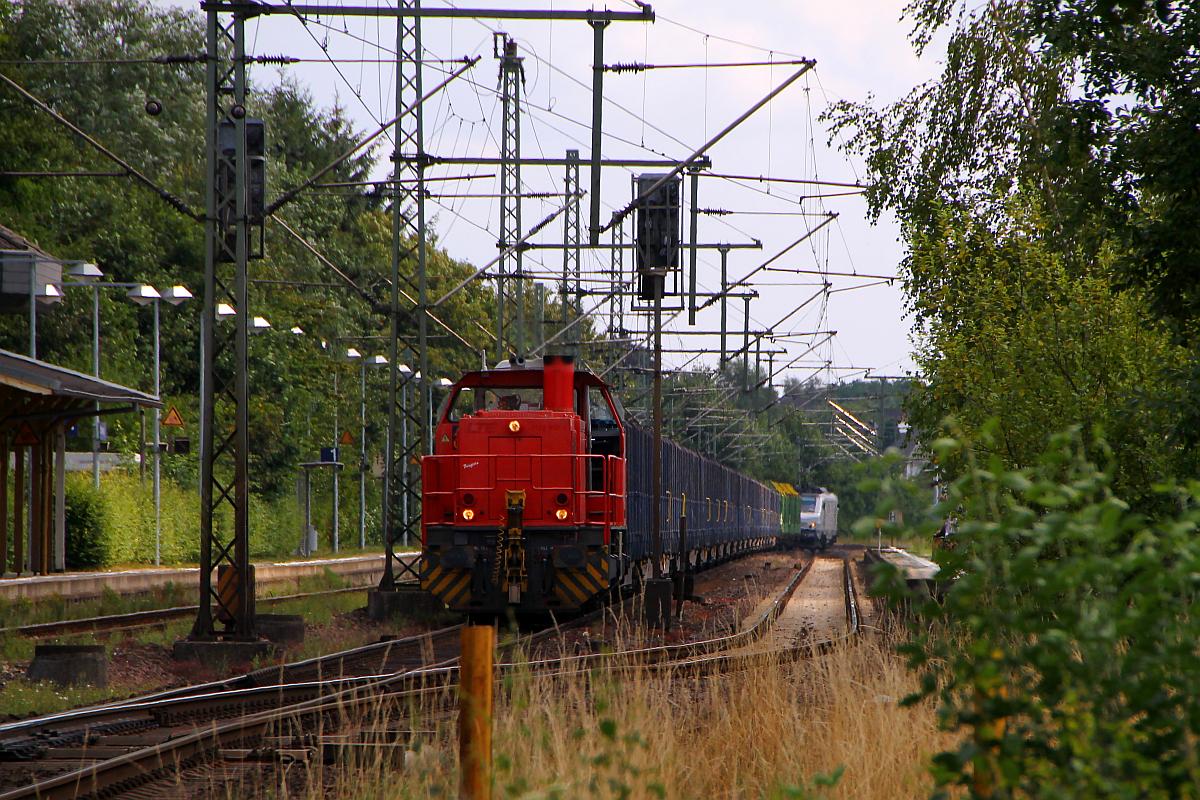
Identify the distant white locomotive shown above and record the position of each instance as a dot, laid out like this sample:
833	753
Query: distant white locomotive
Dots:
818	518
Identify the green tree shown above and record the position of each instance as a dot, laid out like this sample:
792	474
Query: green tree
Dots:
134	236
1042	189
1014	334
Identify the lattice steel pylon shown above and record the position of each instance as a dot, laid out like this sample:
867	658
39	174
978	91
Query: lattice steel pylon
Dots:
512	76
571	292
224	401
408	434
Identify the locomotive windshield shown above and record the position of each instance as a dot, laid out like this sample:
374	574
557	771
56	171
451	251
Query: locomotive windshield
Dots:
469	400
808	502
513	399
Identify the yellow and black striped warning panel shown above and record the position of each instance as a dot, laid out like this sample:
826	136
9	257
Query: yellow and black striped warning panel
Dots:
229	605
574	587
451	586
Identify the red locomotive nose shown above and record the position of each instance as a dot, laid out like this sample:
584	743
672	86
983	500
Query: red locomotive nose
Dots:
558	383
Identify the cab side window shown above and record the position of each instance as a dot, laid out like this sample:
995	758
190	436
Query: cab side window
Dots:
464	404
598	411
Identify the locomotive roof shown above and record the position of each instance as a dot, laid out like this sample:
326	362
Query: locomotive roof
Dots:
521	373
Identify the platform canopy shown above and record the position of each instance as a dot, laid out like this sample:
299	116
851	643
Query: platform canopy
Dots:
38	402
36	390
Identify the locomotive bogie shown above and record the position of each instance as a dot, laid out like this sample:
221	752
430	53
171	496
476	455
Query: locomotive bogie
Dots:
561	569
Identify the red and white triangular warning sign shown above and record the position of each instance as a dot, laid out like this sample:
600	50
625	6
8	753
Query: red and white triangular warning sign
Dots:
173	419
346	438
26	436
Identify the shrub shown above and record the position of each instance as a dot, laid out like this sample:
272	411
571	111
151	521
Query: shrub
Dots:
1065	650
115	524
86	546
274	526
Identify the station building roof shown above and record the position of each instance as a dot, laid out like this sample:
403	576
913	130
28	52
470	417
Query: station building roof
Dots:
11	240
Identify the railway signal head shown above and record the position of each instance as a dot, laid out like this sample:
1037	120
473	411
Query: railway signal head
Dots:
658	238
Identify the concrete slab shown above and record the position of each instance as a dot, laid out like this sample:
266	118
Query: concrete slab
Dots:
915	567
226	652
384	604
70	664
280	628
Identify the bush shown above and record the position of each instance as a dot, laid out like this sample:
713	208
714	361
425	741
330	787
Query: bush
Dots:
86	546
1065	651
115	524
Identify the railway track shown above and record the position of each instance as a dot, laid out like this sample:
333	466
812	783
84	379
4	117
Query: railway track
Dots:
276	718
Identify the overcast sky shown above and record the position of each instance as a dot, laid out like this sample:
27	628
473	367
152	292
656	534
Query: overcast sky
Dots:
860	48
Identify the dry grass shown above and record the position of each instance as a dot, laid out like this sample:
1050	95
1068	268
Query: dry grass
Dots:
771	732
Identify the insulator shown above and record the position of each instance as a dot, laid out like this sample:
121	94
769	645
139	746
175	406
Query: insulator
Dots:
633	66
270	59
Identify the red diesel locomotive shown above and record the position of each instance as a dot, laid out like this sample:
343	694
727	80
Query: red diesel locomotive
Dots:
537	498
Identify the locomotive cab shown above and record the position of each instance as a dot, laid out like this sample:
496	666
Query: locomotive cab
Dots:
524	495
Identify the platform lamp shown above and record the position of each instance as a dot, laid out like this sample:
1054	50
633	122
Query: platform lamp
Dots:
48	294
375	361
146	295
89	274
350	354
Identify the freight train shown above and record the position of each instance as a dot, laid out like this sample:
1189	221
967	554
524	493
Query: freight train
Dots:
538	495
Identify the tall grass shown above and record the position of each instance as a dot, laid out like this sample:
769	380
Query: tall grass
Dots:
826	727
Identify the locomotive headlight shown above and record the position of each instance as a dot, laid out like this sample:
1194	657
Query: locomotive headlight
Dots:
468	514
561	513
514	426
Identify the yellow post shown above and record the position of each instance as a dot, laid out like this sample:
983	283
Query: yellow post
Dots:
475	680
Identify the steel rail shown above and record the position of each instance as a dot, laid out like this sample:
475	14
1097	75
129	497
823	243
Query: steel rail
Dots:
321	698
216	690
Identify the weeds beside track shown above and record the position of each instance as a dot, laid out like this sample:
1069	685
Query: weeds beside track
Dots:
267	717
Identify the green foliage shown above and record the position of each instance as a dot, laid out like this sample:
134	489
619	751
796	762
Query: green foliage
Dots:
84	525
876	491
1064	651
811	789
116	524
118	520
1051	168
1010	330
